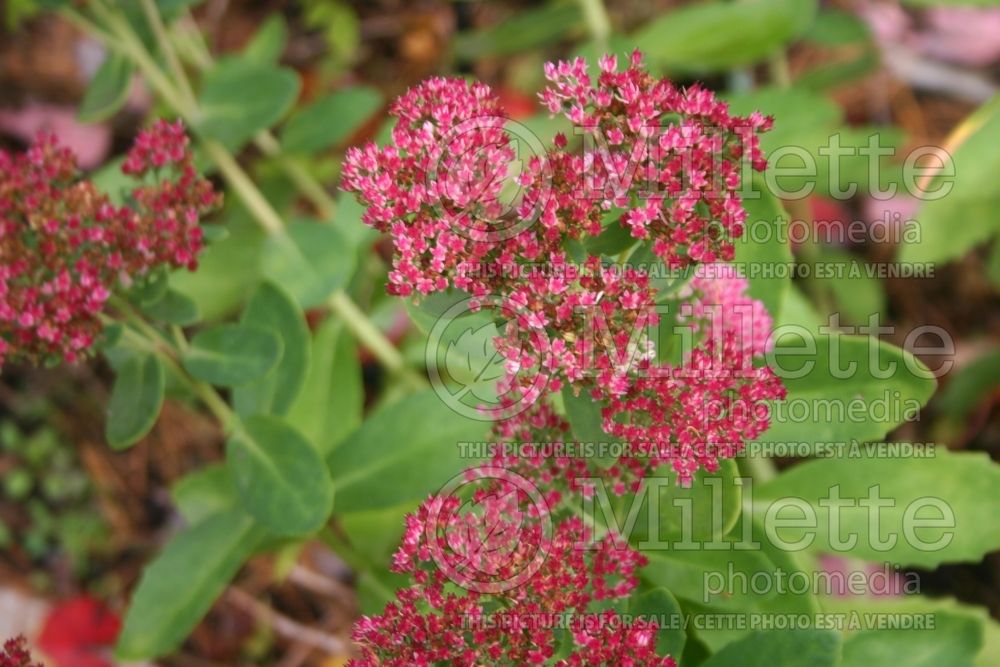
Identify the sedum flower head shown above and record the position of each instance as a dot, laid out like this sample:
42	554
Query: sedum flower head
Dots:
15	654
556	615
65	247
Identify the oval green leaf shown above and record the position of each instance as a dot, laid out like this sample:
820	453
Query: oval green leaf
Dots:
232	354
173	308
136	400
271	308
659	605
843	388
179	587
311	261
280	476
108	89
403	452
241	97
329	120
329	406
714	36
788	648
957	491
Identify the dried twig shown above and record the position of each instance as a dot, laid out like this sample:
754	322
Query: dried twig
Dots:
287	627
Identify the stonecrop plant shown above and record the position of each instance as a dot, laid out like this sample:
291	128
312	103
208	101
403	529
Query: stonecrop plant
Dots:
66	248
605	364
660	408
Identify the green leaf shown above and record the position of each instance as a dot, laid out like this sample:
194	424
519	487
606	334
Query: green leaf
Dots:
973	198
280	476
402	452
432	307
763	253
204	493
171	9
843	388
340	26
713	36
150	288
330	404
271	309
835	27
376	533
796	310
953	641
787	648
173	308
614	239
311	261
706	510
584	416
585	420
136	400
232	354
464	360
108	90
658	605
216	288
526	30
801	117
857	293
330	120
241	97
970	385
269	42
954	634
179	587
687	574
961	489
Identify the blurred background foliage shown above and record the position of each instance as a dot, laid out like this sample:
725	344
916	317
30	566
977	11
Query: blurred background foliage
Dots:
289	85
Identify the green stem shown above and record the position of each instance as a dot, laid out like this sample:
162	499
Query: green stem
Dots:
781	74
297	174
760	468
170	55
123	38
598	21
372	339
256	204
145	337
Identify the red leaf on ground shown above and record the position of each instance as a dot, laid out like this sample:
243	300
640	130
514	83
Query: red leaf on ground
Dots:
78	632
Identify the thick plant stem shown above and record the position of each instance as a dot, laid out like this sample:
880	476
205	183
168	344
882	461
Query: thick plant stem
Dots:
598	21
302	179
373	340
139	334
311	188
259	207
173	62
123	38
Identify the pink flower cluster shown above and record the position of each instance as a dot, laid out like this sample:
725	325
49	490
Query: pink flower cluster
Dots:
15	654
687	170
167	212
552	616
64	246
664	165
436	188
